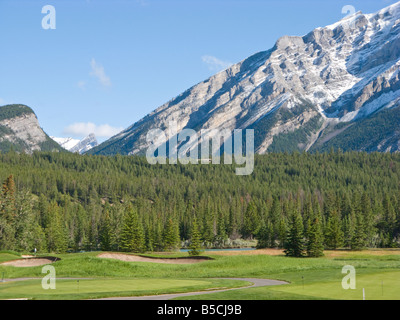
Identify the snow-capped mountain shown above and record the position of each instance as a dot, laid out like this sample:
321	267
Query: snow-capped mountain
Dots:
313	92
66	143
75	145
85	144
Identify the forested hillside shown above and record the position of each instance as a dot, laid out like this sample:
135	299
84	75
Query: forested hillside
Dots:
61	201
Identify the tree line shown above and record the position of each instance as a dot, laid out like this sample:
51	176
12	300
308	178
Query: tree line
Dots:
301	202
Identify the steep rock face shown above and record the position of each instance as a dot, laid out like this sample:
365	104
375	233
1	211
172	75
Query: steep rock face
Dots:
20	130
293	94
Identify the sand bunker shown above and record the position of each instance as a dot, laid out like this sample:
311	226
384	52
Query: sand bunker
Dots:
130	258
30	262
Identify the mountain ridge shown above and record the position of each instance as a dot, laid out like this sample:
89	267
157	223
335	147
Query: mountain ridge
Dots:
20	131
341	73
75	145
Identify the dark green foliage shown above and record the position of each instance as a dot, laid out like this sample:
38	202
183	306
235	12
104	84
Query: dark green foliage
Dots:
294	245
359	238
57	240
66	201
171	239
195	241
250	221
265	235
315	238
333	231
366	134
8	214
296	140
221	236
132	235
106	232
14	110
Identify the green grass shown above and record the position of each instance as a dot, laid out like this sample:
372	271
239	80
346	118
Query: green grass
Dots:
259	293
372	283
98	288
8	255
321	276
318	285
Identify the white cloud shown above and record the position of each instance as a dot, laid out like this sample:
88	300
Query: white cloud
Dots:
80	129
98	72
2	101
215	64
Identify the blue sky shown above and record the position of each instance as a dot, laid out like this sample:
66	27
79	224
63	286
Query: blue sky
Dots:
109	63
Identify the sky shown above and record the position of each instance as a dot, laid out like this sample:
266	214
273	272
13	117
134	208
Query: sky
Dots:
106	64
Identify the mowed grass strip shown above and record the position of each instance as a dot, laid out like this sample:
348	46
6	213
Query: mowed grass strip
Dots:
319	285
99	288
377	286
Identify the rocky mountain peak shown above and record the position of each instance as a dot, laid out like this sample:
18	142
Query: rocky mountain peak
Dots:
302	94
20	131
75	145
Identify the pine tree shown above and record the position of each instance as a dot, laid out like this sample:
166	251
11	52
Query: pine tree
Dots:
369	226
132	235
106	232
388	222
221	236
171	238
315	242
158	237
279	232
294	244
358	241
232	227
348	224
7	215
208	225
28	233
57	239
308	212
149	238
282	232
265	235
195	247
333	232
250	221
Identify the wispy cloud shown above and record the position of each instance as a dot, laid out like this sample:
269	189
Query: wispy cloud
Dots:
215	64
81	84
142	3
2	101
99	73
80	129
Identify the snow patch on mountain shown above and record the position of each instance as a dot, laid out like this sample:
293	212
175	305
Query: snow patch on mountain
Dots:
66	143
75	145
339	73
